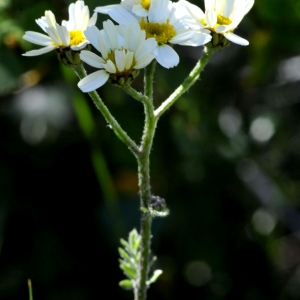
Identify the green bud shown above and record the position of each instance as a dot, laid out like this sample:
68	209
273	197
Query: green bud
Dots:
217	42
124	78
70	57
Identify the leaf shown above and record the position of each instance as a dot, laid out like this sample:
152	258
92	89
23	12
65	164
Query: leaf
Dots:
124	255
154	277
130	273
126	284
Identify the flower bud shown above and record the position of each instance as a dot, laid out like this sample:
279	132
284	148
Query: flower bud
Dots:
70	57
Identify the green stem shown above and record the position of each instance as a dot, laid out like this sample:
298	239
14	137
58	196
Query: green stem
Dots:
120	133
135	94
188	82
149	74
144	185
30	289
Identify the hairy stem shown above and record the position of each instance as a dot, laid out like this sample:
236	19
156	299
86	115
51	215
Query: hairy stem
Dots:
144	184
120	133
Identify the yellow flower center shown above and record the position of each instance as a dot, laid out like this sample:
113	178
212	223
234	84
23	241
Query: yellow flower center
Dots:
163	33
221	20
76	37
146	4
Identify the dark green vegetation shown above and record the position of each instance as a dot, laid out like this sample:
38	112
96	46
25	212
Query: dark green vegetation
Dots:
226	159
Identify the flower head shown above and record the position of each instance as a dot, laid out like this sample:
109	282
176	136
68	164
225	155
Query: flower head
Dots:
221	17
124	51
68	35
165	23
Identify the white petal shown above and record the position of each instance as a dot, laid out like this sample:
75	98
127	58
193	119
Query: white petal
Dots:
120	59
93	20
105	9
221	29
111	33
146	48
52	32
39	51
37	38
139	10
83	18
209	4
91	59
104	49
248	6
199	39
64	35
167	57
132	36
194	10
92	34
71	24
122	16
228	8
183	37
110	67
128	60
236	39
80	46
50	18
158	11
144	61
42	22
211	18
93	81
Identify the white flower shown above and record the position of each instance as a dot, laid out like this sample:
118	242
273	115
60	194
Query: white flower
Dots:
69	34
221	16
123	53
165	22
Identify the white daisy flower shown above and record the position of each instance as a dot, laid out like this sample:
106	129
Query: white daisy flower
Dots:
165	22
123	53
138	7
221	16
69	34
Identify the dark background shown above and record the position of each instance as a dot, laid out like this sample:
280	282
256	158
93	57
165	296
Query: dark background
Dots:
226	158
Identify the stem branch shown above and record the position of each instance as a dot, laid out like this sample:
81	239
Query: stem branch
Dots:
188	82
120	133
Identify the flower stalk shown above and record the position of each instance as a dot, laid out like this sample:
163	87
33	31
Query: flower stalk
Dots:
142	152
187	83
120	133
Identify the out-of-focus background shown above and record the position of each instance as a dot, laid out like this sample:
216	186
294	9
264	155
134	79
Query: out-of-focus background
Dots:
226	158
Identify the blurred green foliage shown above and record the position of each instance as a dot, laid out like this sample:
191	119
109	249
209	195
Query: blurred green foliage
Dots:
226	158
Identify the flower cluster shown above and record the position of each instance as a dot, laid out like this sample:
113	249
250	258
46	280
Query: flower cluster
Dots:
146	30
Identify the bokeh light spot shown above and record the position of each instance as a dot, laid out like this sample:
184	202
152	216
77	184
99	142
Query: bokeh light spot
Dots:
262	129
263	222
197	273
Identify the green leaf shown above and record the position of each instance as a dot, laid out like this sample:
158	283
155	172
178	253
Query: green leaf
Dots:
126	284
130	273
124	255
154	277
